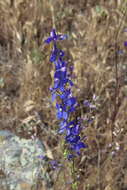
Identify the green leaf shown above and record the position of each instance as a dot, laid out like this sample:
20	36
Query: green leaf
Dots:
75	186
36	56
1	82
65	153
98	9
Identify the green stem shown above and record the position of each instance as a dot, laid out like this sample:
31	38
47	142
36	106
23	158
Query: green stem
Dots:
74	172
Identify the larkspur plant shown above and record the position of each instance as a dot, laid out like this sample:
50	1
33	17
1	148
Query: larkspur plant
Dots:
62	89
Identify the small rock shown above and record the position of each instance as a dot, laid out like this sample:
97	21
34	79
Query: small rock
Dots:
20	163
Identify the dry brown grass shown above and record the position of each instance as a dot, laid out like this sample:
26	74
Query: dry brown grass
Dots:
95	37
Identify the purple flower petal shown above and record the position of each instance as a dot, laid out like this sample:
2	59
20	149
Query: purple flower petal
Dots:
62	37
48	40
53	34
125	43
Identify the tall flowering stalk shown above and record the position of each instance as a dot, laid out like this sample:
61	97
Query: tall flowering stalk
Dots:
62	89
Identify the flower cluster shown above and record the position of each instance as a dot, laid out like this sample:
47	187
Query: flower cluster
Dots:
62	89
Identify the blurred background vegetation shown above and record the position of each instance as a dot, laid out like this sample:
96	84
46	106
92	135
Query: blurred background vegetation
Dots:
97	31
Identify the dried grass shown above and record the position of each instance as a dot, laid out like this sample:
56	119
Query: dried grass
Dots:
96	33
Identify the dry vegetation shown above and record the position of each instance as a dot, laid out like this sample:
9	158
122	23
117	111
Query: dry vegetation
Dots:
96	30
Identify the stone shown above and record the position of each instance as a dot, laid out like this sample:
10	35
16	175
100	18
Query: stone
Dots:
20	164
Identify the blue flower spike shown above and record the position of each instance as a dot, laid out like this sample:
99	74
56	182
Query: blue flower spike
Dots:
62	88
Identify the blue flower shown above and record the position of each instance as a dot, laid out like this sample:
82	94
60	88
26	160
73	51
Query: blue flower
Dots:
77	146
61	112
54	164
72	138
58	84
61	75
63	126
70	156
61	53
54	37
86	103
59	64
125	43
42	157
65	94
56	53
74	130
53	55
70	101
